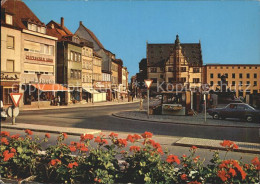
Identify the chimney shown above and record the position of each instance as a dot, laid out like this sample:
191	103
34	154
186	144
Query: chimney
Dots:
80	23
62	22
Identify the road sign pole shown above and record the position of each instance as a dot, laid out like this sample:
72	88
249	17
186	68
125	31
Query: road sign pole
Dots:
13	117
205	108
148	103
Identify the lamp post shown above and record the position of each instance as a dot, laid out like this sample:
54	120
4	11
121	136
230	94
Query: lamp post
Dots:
148	84
38	76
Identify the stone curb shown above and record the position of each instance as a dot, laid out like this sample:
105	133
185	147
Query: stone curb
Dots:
178	123
71	107
49	130
216	148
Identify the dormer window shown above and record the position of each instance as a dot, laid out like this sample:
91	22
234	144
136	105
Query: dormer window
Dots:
9	19
39	29
34	27
43	30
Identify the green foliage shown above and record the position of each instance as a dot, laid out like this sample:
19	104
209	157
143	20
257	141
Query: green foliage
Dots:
96	160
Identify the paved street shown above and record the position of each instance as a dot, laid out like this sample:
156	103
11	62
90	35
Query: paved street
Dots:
100	118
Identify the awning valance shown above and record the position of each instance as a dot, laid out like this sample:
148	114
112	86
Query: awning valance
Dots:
90	90
50	87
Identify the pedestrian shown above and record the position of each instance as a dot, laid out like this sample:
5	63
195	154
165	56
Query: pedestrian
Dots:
58	100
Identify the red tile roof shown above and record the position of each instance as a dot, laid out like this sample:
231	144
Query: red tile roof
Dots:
57	30
94	37
21	13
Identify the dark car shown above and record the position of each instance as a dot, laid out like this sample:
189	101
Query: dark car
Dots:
236	110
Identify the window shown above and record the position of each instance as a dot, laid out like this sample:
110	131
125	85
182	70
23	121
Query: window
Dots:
233	67
244	67
233	75
10	66
71	56
240	83
9	19
255	83
256	67
183	69
221	67
219	75
219	83
226	74
71	74
10	42
161	69
240	75
170	69
196	70
250	67
183	79
248	75
216	67
153	70
247	83
171	80
227	67
211	75
196	80
43	30
39	29
76	57
79	55
255	75
238	67
46	49
161	76
211	83
233	83
34	27
154	80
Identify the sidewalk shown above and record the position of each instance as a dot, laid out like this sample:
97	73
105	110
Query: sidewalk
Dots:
79	105
190	120
244	147
51	129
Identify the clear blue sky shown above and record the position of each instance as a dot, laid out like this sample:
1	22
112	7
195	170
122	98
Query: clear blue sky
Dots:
229	30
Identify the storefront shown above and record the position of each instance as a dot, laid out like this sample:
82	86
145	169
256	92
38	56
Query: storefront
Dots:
5	89
48	94
103	87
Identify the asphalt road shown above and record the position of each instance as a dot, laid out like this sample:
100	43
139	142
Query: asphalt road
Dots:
100	118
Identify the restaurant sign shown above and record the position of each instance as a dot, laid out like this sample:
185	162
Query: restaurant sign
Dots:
38	58
172	107
8	77
102	84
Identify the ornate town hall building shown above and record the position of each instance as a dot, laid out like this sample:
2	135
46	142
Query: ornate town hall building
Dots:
174	64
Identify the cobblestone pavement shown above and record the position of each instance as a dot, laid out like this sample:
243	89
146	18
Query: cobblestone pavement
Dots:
196	119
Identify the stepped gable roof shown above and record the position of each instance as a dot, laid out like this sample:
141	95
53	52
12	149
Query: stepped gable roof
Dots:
94	37
158	54
21	13
55	29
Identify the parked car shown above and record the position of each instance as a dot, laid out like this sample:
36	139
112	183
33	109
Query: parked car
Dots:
236	110
3	114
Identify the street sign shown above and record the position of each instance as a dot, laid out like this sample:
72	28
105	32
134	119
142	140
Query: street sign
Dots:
13	112
16	97
148	83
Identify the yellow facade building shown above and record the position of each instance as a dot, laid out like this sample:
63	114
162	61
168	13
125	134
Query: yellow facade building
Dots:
243	79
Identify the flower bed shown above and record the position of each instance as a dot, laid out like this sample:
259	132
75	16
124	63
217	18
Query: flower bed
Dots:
142	160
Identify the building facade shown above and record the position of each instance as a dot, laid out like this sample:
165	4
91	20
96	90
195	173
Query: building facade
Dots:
173	66
11	59
241	78
37	55
69	61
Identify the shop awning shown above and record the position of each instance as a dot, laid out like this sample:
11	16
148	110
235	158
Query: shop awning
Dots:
90	90
50	87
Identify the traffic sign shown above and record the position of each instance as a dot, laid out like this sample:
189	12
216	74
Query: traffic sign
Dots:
148	83
16	97
13	112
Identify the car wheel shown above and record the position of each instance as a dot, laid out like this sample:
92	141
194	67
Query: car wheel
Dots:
215	116
249	118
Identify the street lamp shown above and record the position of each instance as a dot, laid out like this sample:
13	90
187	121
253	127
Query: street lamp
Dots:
148	84
38	76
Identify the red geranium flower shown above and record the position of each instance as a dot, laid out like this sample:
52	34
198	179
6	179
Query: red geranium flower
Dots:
256	163
16	136
147	135
84	149
5	134
134	148
55	162
194	182
86	137
4	141
121	142
229	144
194	148
13	150
184	177
65	135
71	165
100	141
47	135
72	148
29	132
7	155
112	134
173	158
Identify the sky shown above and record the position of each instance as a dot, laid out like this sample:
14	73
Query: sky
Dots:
229	31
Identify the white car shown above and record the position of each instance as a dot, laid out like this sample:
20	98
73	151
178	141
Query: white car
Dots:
2	111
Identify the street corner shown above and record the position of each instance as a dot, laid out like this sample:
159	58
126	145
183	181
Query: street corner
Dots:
198	119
